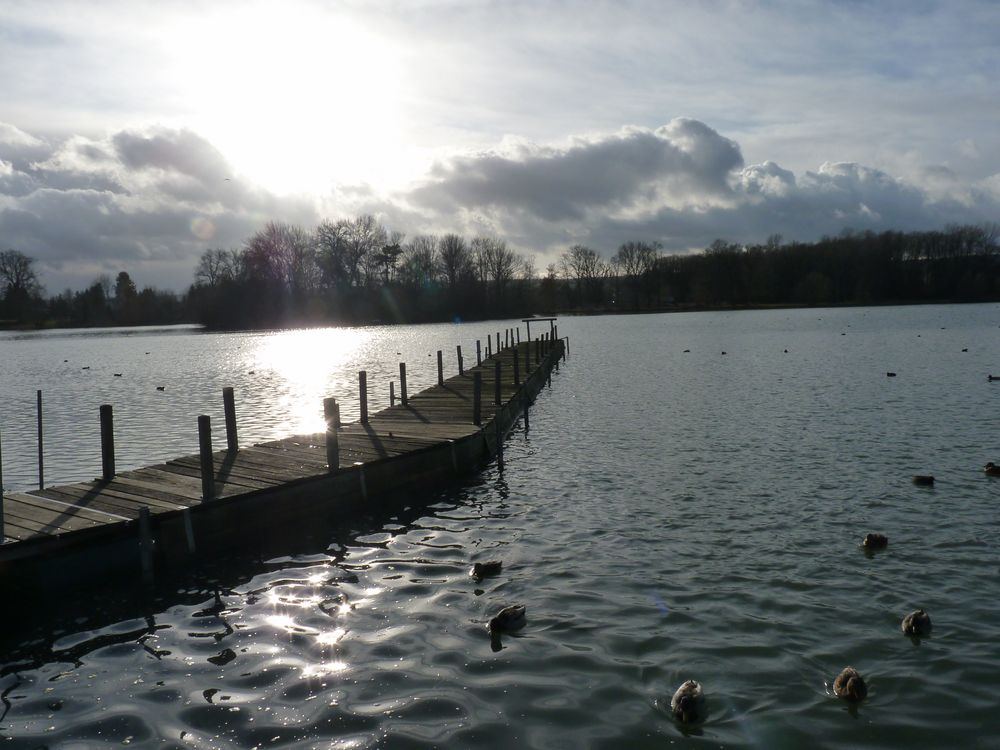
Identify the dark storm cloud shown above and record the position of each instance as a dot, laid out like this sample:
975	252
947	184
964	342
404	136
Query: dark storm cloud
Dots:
149	202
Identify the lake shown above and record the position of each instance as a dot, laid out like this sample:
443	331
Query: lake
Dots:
688	503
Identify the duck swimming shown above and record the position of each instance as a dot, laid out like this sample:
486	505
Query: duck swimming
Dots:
507	619
875	541
923	480
850	685
688	703
917	623
991	469
486	568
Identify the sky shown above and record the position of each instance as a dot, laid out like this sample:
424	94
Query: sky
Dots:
135	135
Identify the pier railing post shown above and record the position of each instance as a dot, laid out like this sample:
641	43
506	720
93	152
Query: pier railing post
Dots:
440	368
496	383
517	370
477	398
489	346
517	331
330	413
538	352
461	366
363	395
205	453
479	353
41	452
402	384
498	342
107	443
229	407
392	393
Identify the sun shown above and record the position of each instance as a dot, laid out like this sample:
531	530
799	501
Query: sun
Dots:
296	97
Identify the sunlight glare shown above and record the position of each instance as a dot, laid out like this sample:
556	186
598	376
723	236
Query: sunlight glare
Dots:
296	96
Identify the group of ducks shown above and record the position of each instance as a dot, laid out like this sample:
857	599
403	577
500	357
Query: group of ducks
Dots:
688	701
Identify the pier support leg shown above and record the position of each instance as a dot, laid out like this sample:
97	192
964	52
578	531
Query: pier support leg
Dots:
332	439
361	480
392	393
479	353
499	437
497	383
145	545
207	461
402	384
461	366
189	531
440	368
229	406
517	371
107	443
477	398
524	406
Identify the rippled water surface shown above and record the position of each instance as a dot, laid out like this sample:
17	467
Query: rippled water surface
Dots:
670	515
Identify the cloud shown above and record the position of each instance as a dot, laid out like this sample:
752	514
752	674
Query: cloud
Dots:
146	201
683	184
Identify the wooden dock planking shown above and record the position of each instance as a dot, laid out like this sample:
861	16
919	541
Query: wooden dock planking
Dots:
433	418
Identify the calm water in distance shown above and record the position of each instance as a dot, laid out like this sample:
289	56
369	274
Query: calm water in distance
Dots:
670	515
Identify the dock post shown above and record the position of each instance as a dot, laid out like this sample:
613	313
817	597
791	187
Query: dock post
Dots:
496	383
538	351
392	393
527	358
332	440
499	435
107	443
336	415
229	406
440	368
489	346
363	394
207	462
362	482
479	353
461	367
517	370
402	384
524	405
506	338
477	398
145	545
41	458
498	342
518	332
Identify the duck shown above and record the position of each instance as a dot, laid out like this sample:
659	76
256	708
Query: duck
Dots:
688	703
486	568
507	619
917	622
850	685
161	388
924	480
991	378
890	374
991	470
118	374
875	541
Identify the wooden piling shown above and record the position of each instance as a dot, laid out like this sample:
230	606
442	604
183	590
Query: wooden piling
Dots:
496	383
489	346
229	407
461	366
479	353
392	393
506	338
363	395
205	454
189	531
107	443
517	371
499	439
41	452
402	384
145	545
332	439
498	342
362	482
524	406
477	398
440	368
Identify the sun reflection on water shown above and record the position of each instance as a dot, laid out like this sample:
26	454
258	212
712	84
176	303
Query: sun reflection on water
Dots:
305	361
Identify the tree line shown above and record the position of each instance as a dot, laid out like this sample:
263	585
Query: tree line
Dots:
359	271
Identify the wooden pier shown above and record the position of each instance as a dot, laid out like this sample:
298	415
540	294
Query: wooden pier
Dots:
150	518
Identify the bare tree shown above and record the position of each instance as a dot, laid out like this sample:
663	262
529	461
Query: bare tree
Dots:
17	274
496	263
581	263
419	265
217	266
283	254
456	260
